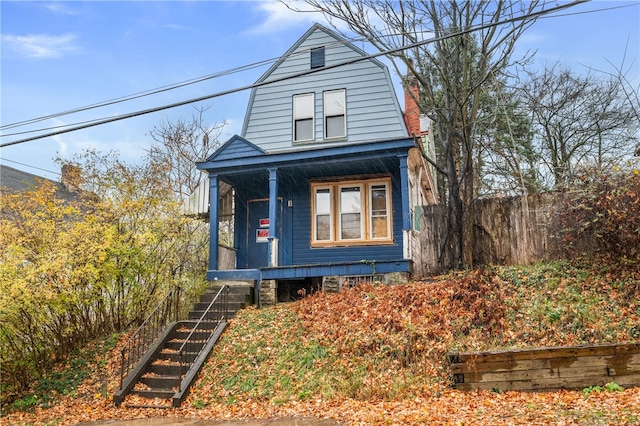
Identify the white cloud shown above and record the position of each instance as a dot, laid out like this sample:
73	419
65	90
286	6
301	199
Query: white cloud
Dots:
60	8
41	46
279	17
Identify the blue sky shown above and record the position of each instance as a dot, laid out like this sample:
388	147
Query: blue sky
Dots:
57	56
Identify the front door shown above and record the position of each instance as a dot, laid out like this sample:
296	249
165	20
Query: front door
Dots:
258	232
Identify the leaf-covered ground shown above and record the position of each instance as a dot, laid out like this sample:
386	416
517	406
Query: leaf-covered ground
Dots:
376	354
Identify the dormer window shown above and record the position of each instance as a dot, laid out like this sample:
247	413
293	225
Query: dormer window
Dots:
335	125
303	109
317	57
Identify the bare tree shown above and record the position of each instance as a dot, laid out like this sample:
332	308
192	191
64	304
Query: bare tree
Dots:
581	121
177	146
472	44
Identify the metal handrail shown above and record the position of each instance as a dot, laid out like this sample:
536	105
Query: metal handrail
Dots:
212	318
165	312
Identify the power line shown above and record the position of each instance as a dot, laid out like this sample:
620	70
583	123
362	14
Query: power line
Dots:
142	94
29	165
292	76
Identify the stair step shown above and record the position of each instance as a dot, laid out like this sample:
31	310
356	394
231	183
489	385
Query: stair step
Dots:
213	315
231	306
208	326
161	382
193	345
236	289
183	333
155	393
231	298
173	356
165	369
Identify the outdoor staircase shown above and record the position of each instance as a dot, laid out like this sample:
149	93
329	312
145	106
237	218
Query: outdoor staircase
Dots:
165	372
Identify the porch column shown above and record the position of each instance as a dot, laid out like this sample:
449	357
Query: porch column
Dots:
214	221
406	212
273	217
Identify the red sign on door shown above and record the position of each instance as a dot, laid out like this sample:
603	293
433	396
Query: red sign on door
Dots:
264	223
262	235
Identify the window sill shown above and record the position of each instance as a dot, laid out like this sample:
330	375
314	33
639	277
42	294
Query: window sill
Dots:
331	244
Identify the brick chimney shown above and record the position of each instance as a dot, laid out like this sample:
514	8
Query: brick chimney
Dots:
71	177
411	108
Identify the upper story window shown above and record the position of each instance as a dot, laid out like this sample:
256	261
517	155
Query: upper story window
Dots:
335	125
317	57
351	212
303	110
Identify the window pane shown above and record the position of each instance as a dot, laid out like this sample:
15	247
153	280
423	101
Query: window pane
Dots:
323	227
379	200
350	225
317	57
380	229
334	103
322	206
379	216
323	201
350	209
304	129
350	200
303	106
335	126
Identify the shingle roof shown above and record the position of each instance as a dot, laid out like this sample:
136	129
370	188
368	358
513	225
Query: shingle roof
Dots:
18	180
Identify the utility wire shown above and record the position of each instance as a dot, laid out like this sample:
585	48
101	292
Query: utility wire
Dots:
190	82
146	93
296	75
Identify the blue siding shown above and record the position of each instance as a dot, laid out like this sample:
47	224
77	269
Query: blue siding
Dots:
234	148
372	108
294	189
303	253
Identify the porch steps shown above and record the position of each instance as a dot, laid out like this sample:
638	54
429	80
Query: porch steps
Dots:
158	379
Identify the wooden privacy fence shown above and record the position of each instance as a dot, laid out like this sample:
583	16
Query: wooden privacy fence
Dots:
547	369
507	230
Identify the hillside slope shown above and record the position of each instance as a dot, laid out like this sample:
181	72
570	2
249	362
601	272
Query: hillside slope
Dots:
375	354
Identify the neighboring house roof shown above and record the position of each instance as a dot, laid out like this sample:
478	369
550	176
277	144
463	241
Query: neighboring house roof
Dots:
20	181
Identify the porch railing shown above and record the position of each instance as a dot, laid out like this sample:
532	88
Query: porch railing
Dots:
194	344
165	312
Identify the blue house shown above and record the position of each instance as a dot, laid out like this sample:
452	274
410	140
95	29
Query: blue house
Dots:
323	183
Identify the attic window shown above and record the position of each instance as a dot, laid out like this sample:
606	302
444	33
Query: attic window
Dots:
317	57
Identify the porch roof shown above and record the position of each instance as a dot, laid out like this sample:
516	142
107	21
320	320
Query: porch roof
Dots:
240	155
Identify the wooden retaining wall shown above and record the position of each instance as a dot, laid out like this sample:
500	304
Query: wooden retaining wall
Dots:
547	369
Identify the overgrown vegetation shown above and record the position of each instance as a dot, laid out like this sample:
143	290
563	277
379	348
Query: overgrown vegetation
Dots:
378	351
600	216
75	270
389	342
66	379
